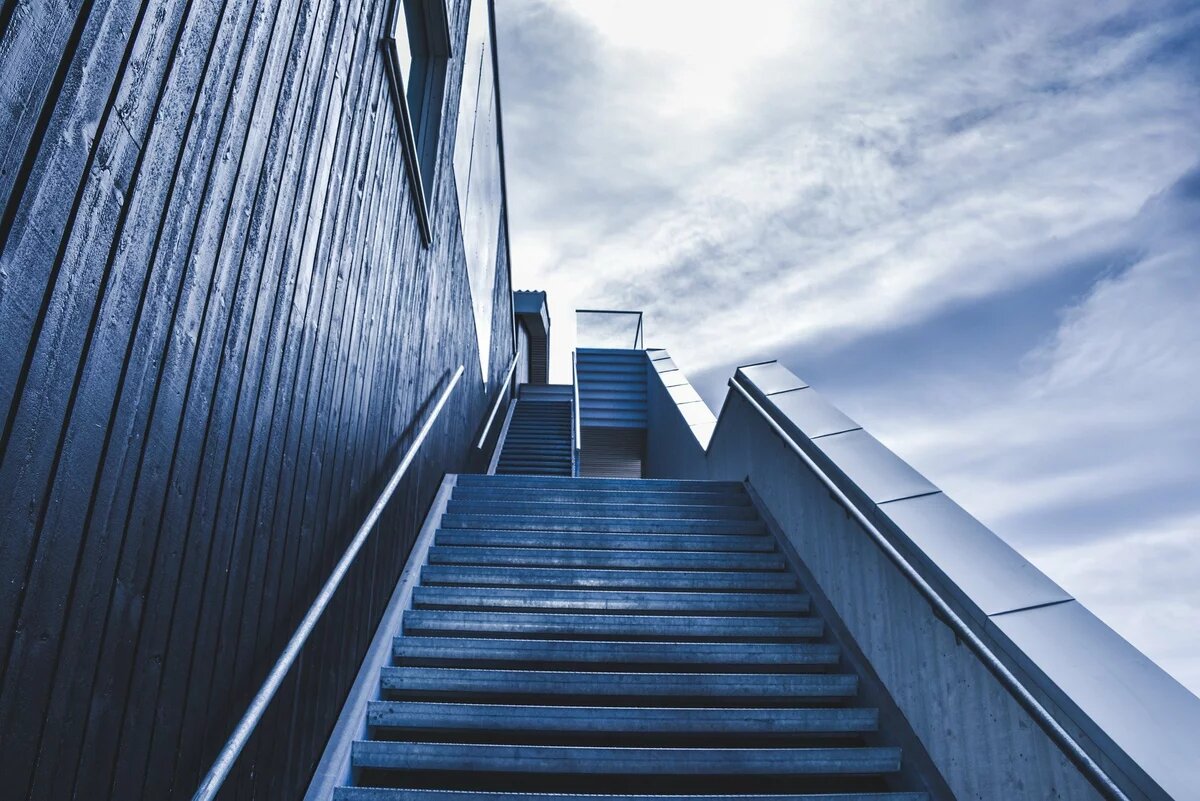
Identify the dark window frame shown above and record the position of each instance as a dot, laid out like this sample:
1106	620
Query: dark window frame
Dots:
420	35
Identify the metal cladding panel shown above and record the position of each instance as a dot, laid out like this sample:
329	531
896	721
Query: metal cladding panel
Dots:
683	393
696	413
976	561
812	414
876	471
673	378
1124	697
771	377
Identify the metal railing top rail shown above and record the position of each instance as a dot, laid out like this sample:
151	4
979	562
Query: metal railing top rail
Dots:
1096	774
499	397
609	332
225	760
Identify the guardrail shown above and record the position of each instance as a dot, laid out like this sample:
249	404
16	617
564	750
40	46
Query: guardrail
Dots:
1070	746
225	760
499	397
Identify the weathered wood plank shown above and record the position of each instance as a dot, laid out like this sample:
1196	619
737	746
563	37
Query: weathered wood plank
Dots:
226	326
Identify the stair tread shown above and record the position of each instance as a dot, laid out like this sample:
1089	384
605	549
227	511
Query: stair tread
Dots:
620	541
614	653
608	600
624	760
786	686
601	577
621	719
741	628
562	557
610	524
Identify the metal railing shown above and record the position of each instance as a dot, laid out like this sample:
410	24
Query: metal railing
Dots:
608	328
225	760
499	397
576	413
961	629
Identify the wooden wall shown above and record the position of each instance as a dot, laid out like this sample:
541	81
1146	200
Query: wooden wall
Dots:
219	328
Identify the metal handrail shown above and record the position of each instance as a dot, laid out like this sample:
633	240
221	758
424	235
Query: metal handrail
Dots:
964	632
575	389
241	733
499	397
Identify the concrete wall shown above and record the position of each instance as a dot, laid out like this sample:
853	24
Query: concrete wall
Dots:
672	450
1134	720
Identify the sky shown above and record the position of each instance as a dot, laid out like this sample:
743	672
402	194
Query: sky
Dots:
974	227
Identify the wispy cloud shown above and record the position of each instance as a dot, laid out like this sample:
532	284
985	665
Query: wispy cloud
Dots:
974	227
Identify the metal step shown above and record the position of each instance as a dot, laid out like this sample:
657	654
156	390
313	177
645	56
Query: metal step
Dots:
602	627
636	484
593	539
597	578
593	760
530	507
436	715
735	689
610	524
578	557
615	655
624	498
682	603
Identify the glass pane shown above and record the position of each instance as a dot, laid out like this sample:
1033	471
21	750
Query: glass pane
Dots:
477	172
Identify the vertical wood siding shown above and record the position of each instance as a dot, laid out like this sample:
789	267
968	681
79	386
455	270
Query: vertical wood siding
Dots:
220	329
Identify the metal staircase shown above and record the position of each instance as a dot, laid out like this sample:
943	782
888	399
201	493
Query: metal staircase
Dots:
538	438
635	638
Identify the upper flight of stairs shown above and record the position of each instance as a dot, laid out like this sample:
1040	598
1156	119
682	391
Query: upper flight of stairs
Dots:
538	438
633	638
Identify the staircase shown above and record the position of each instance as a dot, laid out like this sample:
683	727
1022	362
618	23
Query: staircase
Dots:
634	638
538	438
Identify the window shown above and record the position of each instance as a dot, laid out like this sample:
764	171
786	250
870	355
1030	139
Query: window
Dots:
477	172
417	52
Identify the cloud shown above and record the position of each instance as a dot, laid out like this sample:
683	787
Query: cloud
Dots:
973	227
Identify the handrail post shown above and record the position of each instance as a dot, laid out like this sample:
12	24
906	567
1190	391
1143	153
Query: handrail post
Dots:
224	762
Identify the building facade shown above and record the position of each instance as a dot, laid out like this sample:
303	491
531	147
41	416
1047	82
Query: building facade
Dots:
244	245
